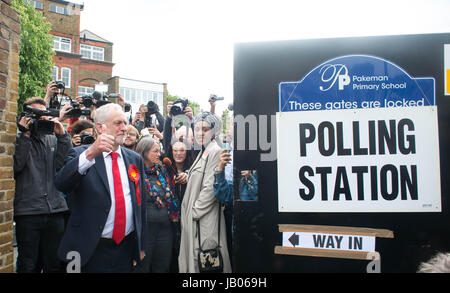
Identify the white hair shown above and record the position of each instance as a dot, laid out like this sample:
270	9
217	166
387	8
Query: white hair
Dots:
101	114
440	263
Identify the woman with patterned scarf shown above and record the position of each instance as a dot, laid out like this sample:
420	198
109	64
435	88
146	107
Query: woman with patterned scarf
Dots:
163	210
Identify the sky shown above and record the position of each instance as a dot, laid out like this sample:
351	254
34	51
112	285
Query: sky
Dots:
189	44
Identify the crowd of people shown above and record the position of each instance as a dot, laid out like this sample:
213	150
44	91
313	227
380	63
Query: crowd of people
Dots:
128	196
135	195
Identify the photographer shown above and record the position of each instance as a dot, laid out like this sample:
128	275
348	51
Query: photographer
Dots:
139	116
52	88
146	120
171	133
41	148
82	133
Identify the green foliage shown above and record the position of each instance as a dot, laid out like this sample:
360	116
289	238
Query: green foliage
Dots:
225	119
36	51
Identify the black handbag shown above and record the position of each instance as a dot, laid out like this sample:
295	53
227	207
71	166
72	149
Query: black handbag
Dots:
210	260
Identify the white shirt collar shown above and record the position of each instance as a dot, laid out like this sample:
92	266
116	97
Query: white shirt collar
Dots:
119	151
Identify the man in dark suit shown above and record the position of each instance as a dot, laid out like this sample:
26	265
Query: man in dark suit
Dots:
106	182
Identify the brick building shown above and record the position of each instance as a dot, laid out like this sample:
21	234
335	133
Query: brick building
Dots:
83	59
9	87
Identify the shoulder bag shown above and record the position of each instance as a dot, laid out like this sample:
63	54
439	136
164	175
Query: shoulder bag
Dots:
210	260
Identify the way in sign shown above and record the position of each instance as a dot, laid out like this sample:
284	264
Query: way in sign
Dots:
329	241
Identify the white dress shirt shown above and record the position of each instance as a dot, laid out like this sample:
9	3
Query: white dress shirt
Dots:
84	164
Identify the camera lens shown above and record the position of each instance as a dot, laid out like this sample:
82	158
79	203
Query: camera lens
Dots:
86	138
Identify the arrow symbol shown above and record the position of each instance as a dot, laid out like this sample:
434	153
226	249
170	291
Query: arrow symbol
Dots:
294	239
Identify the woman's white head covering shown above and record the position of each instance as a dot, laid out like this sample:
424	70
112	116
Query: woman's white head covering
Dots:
212	119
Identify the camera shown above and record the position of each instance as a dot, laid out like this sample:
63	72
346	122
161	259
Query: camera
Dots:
103	99
87	101
60	85
100	99
76	110
38	125
178	107
55	104
152	108
215	98
127	107
86	138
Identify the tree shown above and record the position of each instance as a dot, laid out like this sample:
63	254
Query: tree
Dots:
225	120
36	52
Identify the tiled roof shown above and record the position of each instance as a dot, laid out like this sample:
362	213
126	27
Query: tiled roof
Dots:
88	35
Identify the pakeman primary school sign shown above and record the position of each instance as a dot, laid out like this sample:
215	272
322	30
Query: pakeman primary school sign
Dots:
358	134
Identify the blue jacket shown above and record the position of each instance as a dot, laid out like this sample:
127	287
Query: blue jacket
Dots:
223	189
249	187
91	203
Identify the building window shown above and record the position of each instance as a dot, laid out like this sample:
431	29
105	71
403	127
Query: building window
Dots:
59	9
35	4
62	44
85	90
92	52
147	96
55	73
133	96
66	76
128	94
139	97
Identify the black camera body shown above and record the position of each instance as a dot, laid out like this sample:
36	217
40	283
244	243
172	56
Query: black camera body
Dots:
178	107
86	138
152	108
103	99
38	125
87	101
60	85
76	111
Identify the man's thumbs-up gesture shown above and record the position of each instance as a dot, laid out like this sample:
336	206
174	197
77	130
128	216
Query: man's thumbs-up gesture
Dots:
104	143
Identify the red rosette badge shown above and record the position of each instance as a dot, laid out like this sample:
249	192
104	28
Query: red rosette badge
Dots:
133	174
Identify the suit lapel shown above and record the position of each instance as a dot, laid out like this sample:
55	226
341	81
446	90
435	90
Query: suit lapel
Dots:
101	171
130	183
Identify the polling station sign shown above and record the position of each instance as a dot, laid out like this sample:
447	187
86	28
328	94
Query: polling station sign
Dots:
358	134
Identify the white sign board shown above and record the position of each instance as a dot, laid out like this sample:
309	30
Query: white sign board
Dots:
447	69
318	240
359	160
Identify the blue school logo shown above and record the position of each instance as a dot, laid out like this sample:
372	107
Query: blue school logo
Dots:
356	82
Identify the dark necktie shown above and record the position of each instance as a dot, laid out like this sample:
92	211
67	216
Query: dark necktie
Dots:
120	216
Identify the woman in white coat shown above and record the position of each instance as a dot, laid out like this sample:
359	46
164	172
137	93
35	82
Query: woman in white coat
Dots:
199	202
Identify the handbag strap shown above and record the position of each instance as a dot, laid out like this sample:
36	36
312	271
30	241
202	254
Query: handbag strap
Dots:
218	230
198	222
